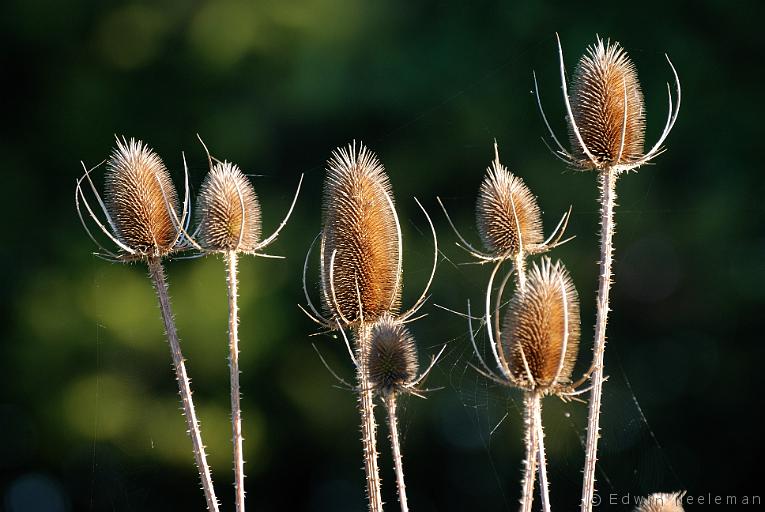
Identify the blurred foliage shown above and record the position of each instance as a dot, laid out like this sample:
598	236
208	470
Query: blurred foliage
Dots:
88	406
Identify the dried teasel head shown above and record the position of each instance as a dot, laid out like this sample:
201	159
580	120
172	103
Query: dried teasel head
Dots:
361	239
141	200
607	105
228	211
390	355
540	333
606	115
662	502
508	216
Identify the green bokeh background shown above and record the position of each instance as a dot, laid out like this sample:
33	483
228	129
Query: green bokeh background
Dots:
88	408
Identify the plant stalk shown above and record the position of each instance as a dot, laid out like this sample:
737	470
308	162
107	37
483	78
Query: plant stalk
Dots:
390	404
607	184
368	425
233	346
544	487
157	274
530	463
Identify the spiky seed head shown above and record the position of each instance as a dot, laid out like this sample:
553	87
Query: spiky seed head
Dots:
507	213
141	199
603	76
662	502
391	355
540	319
228	211
360	227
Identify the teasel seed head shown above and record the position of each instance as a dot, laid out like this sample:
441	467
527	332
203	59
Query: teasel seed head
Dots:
540	332
360	244
141	200
391	355
507	213
662	502
228	211
607	105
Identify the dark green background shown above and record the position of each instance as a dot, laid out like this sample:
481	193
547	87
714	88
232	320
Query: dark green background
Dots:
88	407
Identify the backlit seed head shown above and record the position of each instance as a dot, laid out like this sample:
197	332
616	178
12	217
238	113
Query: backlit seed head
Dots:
141	199
662	502
360	229
228	211
607	104
391	355
507	213
540	332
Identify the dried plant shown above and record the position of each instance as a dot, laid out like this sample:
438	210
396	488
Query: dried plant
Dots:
142	219
662	502
229	222
606	122
361	269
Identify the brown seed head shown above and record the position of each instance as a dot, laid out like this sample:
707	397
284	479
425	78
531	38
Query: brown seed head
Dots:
360	228
662	502
540	320
228	211
391	355
605	92
141	199
507	213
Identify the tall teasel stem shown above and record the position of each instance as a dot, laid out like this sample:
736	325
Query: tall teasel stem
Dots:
233	346
390	404
607	183
157	274
368	424
530	463
536	414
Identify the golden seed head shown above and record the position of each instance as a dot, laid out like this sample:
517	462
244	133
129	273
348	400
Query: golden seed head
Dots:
605	92
141	199
360	228
391	355
228	211
542	326
662	502
507	213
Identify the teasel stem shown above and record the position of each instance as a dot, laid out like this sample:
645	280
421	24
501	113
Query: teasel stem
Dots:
390	404
157	274
233	346
532	444
536	416
368	425
607	184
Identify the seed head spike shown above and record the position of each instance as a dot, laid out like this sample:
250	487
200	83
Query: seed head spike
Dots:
391	356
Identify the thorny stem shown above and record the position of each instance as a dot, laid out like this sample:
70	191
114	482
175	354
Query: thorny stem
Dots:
233	346
390	404
544	488
607	179
157	274
368	426
530	463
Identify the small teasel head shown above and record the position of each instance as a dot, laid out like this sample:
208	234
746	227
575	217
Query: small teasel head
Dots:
390	356
141	200
662	502
508	216
361	239
540	332
228	212
607	105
